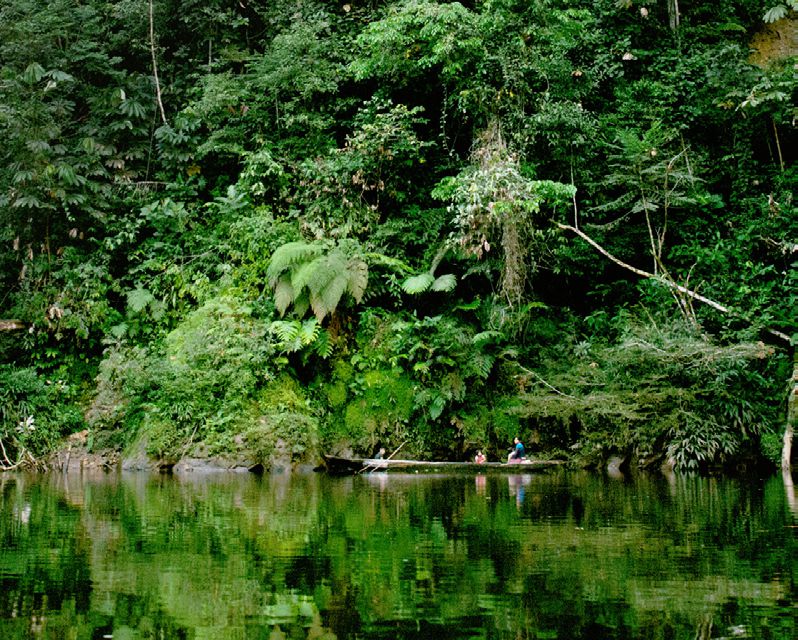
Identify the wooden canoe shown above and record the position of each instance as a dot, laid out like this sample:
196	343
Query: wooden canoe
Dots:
346	466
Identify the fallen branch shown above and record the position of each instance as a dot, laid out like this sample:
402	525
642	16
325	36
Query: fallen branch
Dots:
668	283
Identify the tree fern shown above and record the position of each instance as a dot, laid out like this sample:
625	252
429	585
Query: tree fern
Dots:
289	255
303	274
779	11
324	270
307	276
302	303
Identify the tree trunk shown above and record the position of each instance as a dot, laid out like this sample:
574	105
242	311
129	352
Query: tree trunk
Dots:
155	66
673	14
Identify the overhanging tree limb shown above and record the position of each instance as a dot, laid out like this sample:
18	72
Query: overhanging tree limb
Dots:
668	283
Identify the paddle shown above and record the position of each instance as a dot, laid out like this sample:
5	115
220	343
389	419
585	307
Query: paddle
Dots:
372	467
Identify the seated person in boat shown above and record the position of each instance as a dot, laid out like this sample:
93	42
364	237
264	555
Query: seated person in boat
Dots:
518	453
380	454
480	457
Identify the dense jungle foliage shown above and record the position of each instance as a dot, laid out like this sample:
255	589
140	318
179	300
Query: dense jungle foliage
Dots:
297	226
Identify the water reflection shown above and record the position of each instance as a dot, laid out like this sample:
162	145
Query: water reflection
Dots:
396	556
516	484
789	491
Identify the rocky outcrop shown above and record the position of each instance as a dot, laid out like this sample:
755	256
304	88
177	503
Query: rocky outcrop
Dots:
77	455
775	41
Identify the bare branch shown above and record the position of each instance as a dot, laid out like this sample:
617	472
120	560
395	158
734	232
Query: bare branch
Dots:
667	282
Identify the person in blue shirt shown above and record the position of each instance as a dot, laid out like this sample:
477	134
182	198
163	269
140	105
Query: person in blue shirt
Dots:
518	453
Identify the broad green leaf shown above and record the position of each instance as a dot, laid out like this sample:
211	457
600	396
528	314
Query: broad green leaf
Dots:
33	73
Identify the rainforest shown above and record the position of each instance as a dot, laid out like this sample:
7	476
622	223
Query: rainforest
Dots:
269	230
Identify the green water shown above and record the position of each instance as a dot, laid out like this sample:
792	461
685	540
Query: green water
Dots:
311	557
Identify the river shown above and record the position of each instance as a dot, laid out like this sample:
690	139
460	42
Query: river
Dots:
308	557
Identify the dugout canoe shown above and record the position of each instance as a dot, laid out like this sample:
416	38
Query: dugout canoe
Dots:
347	466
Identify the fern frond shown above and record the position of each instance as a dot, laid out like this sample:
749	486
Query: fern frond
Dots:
290	255
285	330
437	406
482	363
447	282
452	386
358	279
138	299
323	345
325	301
387	261
775	13
308	331
535	304
284	294
486	337
301	304
417	284
308	272
326	269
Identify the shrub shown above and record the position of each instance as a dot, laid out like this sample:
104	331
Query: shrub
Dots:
34	413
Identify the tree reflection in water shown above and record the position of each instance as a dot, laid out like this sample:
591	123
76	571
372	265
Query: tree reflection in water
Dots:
392	556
